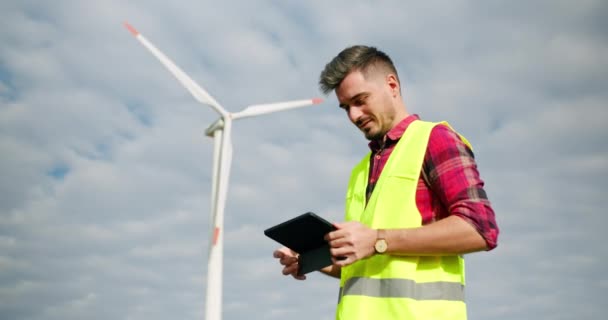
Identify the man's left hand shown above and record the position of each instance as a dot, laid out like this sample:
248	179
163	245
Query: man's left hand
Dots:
352	241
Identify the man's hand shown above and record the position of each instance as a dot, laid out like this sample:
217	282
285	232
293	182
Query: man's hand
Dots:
352	241
289	259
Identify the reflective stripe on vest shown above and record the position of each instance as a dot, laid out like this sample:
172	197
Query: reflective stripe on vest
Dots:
403	288
398	287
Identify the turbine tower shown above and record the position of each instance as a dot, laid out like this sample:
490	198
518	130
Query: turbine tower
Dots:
220	131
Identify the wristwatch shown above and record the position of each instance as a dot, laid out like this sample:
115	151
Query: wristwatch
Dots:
380	246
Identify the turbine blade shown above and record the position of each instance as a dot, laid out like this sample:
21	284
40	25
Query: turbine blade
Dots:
197	91
259	109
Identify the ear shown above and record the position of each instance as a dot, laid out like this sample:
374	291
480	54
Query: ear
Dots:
393	84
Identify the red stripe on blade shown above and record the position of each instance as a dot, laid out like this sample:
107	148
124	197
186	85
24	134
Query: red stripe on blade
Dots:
131	29
216	235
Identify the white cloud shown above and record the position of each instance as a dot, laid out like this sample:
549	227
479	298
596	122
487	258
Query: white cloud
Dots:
105	168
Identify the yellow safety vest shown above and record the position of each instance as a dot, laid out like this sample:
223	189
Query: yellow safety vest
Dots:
398	287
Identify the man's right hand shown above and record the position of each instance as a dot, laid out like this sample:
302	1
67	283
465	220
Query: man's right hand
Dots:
289	260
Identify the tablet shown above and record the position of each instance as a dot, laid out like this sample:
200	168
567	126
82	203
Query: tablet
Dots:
305	234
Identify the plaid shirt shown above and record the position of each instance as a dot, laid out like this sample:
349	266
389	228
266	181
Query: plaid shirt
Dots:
455	185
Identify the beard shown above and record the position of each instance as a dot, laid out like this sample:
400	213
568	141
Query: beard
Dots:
373	129
371	136
374	133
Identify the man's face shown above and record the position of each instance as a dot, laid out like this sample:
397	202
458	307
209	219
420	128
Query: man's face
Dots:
367	103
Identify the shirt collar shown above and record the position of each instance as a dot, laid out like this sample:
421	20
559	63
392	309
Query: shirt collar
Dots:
393	135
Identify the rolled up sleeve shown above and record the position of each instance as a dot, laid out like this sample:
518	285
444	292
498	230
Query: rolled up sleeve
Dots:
455	180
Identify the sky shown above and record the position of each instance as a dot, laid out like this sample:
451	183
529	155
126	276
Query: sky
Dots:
106	171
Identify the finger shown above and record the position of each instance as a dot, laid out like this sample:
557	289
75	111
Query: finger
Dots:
327	236
278	254
291	269
283	252
341	251
335	235
343	261
338	243
299	277
330	236
288	260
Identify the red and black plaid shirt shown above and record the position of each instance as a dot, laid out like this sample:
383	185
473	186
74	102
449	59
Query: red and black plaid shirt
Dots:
455	185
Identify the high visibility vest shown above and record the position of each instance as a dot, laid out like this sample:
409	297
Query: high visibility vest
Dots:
386	286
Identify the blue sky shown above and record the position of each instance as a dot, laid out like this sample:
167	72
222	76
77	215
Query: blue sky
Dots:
104	196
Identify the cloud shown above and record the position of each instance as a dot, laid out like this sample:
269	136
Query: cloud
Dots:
106	171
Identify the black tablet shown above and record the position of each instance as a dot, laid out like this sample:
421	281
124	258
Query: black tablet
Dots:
305	234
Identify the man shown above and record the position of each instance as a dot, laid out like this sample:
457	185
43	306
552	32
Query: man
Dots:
414	205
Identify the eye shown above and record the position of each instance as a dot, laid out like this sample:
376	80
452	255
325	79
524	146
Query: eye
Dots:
359	102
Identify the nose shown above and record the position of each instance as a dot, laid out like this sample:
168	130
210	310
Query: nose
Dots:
354	114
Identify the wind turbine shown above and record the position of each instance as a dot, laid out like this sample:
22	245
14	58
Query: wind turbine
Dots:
220	131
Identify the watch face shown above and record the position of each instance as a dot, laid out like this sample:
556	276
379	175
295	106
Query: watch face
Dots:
380	246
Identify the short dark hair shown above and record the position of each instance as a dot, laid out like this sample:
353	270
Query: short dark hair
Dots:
359	57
